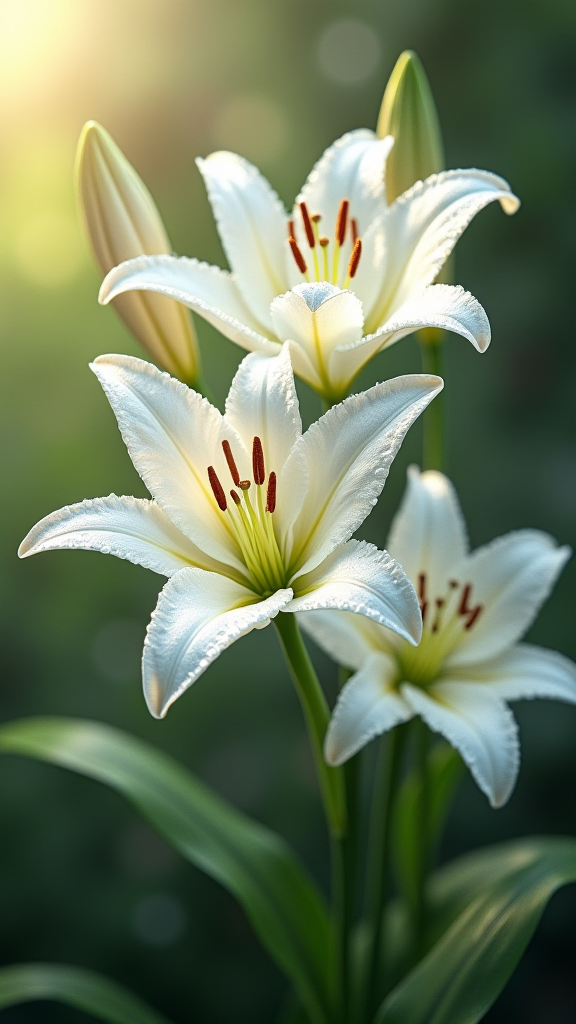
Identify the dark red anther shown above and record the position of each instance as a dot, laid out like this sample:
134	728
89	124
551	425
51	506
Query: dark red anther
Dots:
422	594
235	497
291	229
271	493
439	602
307	225
463	608
258	470
355	258
217	488
473	616
298	257
231	464
341	221
354	229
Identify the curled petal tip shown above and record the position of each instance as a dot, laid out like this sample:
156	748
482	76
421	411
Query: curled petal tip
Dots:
510	203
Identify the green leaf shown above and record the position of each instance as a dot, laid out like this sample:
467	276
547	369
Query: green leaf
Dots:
487	904
85	990
252	862
444	771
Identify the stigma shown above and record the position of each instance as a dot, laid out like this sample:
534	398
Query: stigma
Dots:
252	521
323	256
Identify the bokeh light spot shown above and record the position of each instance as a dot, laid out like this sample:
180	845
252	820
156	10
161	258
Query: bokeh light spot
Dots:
253	125
159	919
348	51
49	249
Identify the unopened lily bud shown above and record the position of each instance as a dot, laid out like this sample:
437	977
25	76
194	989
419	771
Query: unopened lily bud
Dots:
408	113
122	222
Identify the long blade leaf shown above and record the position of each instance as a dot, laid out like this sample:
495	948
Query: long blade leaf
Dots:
252	862
487	905
85	990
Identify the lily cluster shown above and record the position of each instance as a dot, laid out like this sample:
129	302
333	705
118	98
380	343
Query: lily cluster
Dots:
250	517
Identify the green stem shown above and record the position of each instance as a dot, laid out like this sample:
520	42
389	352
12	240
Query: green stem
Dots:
421	838
385	785
317	715
433	416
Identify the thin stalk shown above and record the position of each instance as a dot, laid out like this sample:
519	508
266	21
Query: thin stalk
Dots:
433	416
317	715
384	791
421	738
352	781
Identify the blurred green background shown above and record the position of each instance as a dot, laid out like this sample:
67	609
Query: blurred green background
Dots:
82	880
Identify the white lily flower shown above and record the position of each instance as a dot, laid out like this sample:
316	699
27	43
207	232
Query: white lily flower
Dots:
475	607
291	283
249	515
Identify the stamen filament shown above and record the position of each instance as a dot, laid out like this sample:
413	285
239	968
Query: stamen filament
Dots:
243	536
335	261
324	243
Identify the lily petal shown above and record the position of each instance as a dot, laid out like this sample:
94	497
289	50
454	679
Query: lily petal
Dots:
173	435
198	615
352	168
367	706
209	291
423	225
318	318
252	225
347	638
440	305
131	528
348	453
359	578
479	725
511	578
262	402
428	534
525	672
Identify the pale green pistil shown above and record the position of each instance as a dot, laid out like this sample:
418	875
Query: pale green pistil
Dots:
445	621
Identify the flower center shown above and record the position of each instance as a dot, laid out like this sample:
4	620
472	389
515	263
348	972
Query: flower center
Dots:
252	523
327	265
445	620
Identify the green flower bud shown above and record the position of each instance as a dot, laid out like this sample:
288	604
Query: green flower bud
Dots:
122	222
408	113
